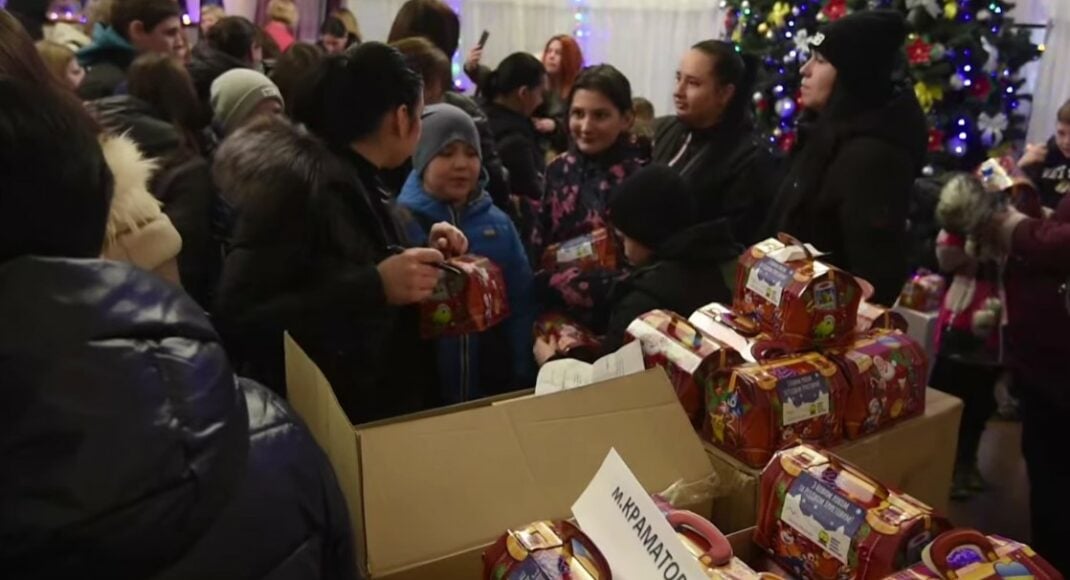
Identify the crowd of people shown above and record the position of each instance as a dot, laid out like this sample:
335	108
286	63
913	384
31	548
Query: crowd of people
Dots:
171	211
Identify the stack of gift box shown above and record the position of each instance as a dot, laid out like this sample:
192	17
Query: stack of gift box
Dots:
790	360
819	518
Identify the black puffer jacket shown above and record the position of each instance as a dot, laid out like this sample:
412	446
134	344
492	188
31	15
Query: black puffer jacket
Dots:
731	171
129	450
848	191
312	225
688	273
518	146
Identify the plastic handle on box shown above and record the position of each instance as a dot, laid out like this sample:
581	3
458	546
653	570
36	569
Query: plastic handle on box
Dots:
941	549
767	350
793	241
691	337
720	551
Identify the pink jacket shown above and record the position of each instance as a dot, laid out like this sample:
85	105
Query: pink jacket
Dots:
280	33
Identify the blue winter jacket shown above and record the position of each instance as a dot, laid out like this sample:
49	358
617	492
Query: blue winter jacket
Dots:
499	359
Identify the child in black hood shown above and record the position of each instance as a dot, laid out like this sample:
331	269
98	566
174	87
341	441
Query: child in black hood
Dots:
679	263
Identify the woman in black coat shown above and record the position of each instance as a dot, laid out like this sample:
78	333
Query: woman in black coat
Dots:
862	144
511	95
316	250
130	448
711	140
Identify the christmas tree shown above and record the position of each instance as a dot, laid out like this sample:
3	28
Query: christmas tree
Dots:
963	59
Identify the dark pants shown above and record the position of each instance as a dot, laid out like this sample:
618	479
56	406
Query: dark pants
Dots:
1044	441
975	385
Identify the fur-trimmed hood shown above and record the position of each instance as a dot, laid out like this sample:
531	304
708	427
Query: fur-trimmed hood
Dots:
138	232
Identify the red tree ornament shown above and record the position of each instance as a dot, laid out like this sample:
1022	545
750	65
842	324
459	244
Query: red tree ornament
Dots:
787	142
835	9
981	87
919	51
936	140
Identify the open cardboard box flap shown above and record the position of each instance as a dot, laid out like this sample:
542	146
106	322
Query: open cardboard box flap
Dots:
429	486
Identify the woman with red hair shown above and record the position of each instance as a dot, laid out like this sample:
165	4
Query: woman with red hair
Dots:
563	61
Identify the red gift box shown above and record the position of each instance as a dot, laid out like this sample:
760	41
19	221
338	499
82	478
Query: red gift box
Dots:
470	297
594	251
924	292
545	551
757	408
797	300
824	519
887	372
874	317
970	555
688	355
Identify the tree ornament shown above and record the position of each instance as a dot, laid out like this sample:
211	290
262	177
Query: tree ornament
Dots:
763	28
787	142
928	95
938	52
956	147
757	97
936	140
956	82
802	43
981	87
778	133
779	14
835	10
984	15
919	52
928	171
992	62
785	107
930	6
992	128
951	10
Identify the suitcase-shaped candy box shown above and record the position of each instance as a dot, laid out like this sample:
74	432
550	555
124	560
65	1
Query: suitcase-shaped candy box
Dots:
887	372
545	551
757	408
711	548
874	317
594	251
793	297
689	356
825	520
964	554
574	340
718	321
924	292
470	297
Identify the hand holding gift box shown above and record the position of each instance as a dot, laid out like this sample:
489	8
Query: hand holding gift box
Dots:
594	251
470	297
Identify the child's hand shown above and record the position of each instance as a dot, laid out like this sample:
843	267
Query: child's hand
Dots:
1034	155
447	239
545	125
544	349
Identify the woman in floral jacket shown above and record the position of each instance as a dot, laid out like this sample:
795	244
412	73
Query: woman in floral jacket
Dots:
579	186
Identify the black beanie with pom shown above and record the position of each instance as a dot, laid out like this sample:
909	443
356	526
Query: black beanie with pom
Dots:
652	205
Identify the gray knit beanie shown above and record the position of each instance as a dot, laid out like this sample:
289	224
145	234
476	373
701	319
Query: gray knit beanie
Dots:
443	124
236	93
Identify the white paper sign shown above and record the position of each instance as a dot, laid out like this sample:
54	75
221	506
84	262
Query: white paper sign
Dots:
565	374
633	535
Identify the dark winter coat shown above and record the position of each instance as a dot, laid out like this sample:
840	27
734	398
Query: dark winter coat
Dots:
1037	284
106	61
729	168
687	273
130	449
518	147
499	359
311	226
207	65
182	182
849	187
579	189
1051	177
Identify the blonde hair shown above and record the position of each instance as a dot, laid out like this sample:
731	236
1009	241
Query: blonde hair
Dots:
212	10
284	11
350	21
57	58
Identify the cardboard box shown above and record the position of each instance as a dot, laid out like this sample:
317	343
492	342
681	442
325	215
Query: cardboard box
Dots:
428	493
916	457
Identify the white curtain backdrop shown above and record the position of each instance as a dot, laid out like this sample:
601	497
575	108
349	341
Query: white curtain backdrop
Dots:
1052	86
643	38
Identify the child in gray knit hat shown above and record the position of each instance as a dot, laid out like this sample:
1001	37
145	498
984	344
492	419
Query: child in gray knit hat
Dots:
241	94
446	185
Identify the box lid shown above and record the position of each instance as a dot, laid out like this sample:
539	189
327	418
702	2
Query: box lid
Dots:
445	484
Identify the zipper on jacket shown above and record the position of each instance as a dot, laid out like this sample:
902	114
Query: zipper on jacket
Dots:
465	341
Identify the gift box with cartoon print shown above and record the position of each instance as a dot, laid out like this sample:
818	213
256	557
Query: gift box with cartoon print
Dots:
470	297
793	297
757	408
594	251
823	519
966	554
887	372
545	550
688	355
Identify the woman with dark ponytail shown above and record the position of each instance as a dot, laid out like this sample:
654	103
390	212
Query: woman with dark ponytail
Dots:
316	249
512	93
711	141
